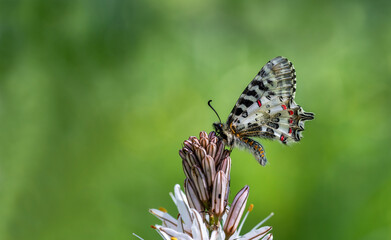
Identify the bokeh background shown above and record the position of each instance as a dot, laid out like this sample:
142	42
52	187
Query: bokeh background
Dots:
96	98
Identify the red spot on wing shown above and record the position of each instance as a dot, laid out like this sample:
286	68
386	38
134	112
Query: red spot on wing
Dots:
259	103
282	138
283	107
290	112
290	130
290	120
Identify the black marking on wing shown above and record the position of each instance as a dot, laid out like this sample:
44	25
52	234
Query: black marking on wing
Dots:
238	111
251	93
269	130
276	78
260	85
247	103
273	125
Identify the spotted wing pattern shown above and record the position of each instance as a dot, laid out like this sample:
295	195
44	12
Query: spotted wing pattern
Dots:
267	108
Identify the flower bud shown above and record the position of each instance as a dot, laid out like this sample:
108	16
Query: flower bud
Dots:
211	150
186	169
219	152
208	165
200	152
236	211
199	181
203	134
192	196
204	142
219	192
225	166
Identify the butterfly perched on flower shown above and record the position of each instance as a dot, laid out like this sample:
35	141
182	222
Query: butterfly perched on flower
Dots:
266	109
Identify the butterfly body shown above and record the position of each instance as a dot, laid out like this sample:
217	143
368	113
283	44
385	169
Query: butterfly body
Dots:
266	109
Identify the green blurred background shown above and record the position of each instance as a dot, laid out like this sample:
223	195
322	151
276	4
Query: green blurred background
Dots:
96	98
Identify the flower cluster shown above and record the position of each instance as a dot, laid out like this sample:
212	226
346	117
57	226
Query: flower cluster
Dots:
207	168
203	208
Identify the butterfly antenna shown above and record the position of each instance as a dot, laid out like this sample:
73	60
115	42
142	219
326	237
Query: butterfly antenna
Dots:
214	110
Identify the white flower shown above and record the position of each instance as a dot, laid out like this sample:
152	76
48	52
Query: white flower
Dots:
190	225
204	213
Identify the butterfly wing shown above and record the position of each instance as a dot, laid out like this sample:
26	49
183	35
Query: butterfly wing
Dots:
266	108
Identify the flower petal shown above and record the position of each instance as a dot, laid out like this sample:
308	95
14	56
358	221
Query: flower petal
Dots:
217	234
214	235
263	221
268	237
183	206
162	234
167	219
198	229
172	233
256	234
137	236
180	227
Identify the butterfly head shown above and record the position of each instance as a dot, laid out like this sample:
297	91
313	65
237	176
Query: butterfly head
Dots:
219	129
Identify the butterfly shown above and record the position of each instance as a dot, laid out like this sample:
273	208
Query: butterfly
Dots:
266	109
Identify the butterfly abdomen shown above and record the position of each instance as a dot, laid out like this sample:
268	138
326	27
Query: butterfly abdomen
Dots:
254	147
